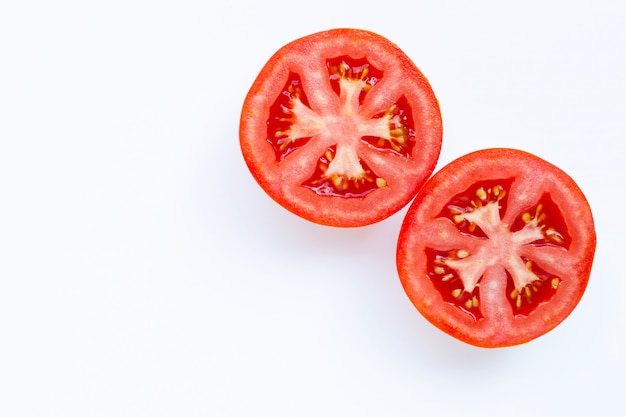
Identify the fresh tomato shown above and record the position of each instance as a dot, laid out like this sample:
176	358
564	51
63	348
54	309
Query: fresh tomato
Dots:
497	248
341	128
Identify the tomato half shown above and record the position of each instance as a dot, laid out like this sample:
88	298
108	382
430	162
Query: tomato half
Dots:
341	128
497	248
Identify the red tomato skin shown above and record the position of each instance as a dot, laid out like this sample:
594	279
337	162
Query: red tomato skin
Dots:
283	181
500	327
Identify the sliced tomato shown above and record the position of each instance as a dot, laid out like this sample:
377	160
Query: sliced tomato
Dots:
497	248
341	128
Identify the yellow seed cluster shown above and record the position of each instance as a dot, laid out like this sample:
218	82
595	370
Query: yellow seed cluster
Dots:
482	194
397	131
342	182
482	197
345	71
472	302
550	233
447	275
284	136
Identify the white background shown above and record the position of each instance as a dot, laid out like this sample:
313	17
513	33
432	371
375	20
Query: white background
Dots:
144	273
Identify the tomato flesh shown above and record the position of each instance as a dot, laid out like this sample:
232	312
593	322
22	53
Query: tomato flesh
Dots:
341	128
341	186
292	123
497	248
546	216
401	139
345	70
282	117
474	199
449	283
540	290
473	210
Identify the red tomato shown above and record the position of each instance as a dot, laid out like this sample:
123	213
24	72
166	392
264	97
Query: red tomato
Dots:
341	128
497	248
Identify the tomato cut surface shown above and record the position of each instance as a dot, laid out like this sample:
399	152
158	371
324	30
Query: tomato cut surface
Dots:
341	128
497	248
